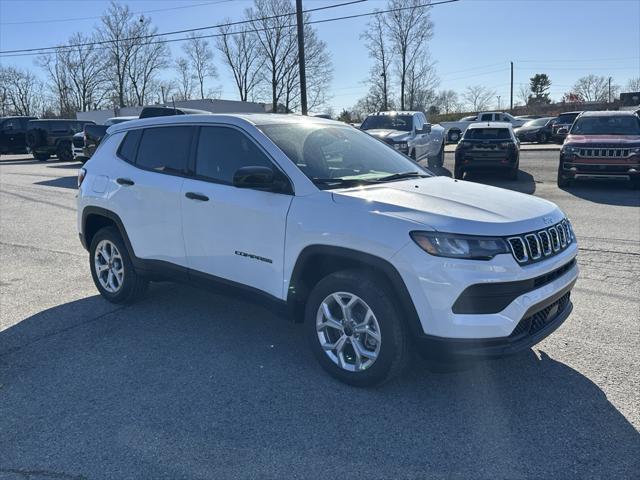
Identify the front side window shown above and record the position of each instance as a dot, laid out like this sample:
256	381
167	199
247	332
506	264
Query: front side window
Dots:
338	155
566	118
487	134
165	149
10	125
222	151
388	122
607	125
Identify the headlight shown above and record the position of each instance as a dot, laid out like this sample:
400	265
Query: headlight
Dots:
400	146
570	150
460	246
634	151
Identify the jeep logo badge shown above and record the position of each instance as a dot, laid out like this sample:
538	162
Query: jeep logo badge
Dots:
547	220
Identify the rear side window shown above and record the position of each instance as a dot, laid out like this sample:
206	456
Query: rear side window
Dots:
165	149
222	151
487	134
60	127
129	145
487	117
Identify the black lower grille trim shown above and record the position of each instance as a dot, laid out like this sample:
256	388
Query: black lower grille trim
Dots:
540	319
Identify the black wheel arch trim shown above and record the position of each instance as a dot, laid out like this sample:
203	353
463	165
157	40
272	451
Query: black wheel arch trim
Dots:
297	289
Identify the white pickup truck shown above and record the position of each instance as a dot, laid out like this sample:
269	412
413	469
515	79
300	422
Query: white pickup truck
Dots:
454	130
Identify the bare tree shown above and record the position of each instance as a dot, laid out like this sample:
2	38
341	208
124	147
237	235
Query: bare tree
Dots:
21	91
200	58
592	88
523	94
478	97
447	101
240	52
377	44
421	84
633	85
56	66
409	29
186	80
276	41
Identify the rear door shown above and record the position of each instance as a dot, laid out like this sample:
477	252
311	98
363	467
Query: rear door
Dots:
12	135
148	185
236	234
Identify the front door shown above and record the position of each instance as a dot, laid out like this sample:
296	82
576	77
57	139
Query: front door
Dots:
236	234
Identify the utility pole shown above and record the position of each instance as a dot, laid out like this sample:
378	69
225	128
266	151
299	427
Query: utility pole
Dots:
609	97
499	97
511	101
303	74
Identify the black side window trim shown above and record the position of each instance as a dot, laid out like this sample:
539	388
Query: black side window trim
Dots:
194	156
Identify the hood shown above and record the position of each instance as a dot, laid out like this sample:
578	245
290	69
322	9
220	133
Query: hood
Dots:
384	133
454	206
79	134
617	140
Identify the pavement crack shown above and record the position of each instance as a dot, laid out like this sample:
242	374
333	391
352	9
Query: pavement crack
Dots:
33	247
59	331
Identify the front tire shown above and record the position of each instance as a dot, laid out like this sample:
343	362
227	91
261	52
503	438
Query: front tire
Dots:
458	173
543	137
355	329
41	157
112	269
562	180
453	136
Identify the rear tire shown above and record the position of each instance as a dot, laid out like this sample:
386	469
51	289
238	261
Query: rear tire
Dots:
64	152
108	257
41	157
543	137
458	173
453	136
355	329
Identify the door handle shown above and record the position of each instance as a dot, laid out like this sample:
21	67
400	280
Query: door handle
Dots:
196	196
125	181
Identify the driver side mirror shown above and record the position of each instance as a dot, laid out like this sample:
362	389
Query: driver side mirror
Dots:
261	178
563	131
426	128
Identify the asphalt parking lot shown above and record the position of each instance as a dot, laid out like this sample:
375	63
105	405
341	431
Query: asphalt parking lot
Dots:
189	384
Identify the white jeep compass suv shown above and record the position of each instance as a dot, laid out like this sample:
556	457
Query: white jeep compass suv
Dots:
375	254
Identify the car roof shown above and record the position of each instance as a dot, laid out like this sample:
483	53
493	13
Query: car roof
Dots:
570	113
607	113
256	119
489	125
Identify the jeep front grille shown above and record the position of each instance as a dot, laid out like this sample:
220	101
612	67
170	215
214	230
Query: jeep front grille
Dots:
604	152
535	246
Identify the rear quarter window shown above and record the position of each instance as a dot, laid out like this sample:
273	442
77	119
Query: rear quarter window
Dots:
165	149
129	146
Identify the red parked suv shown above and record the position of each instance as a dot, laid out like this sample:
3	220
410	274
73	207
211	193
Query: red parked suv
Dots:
601	145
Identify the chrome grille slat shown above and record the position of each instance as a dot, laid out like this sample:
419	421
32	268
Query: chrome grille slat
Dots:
534	246
604	152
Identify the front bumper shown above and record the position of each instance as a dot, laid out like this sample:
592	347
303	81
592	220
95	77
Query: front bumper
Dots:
435	284
573	167
539	322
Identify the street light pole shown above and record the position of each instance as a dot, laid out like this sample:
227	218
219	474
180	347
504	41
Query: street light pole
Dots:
303	74
499	102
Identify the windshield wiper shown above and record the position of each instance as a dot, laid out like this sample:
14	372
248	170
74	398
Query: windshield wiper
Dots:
401	175
344	182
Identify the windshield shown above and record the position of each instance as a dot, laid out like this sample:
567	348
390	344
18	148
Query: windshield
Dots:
391	122
487	134
333	156
566	118
538	122
609	125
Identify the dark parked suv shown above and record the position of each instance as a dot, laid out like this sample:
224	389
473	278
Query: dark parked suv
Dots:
53	137
12	134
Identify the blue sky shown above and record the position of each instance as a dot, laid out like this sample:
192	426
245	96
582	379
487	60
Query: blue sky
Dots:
473	43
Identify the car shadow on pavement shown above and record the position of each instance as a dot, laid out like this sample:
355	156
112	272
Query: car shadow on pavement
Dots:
61	182
191	384
525	183
607	192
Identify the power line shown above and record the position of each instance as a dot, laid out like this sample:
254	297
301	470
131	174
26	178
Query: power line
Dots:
41	50
77	19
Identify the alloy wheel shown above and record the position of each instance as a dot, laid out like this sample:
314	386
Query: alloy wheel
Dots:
348	331
109	266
